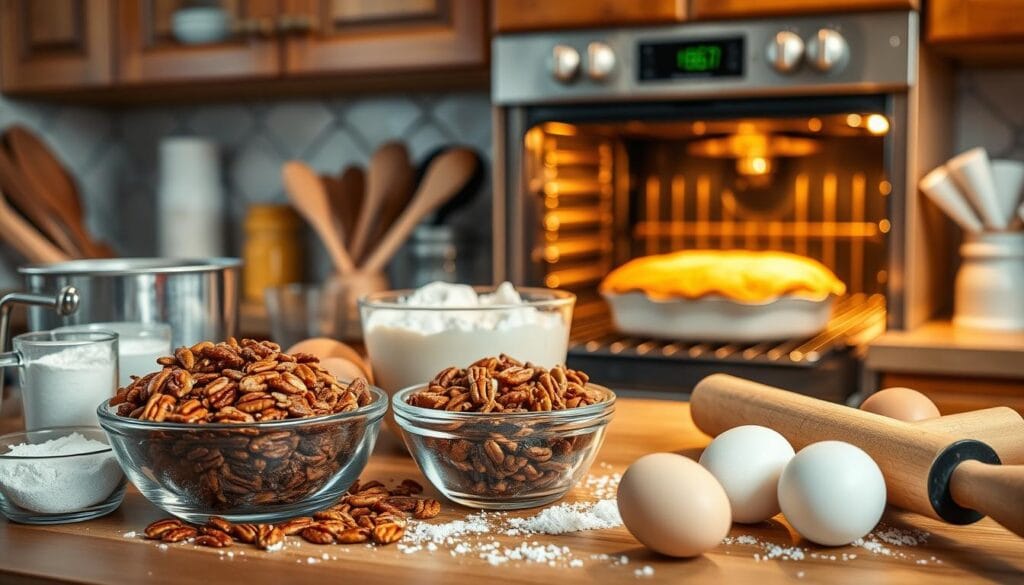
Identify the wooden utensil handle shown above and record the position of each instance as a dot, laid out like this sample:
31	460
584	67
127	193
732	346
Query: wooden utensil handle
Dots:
993	490
1001	428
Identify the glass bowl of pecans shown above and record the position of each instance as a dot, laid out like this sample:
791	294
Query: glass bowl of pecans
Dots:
242	431
504	435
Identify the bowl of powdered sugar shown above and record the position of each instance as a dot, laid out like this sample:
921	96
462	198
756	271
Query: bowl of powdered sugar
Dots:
58	475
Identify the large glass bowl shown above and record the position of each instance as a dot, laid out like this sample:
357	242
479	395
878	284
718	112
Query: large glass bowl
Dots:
504	461
57	489
245	472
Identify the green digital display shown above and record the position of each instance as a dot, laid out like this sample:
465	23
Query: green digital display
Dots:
699	58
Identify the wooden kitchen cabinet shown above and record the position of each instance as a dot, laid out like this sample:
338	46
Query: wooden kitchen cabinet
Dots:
720	9
383	36
525	15
977	31
55	44
148	53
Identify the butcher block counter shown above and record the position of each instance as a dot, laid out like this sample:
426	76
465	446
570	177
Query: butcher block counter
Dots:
111	550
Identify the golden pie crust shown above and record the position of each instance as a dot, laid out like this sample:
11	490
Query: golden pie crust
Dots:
740	275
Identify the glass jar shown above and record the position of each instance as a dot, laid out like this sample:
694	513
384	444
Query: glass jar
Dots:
273	249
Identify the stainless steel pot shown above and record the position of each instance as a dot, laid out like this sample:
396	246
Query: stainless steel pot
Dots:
198	298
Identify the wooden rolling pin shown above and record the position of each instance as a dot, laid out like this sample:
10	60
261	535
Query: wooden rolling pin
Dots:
959	482
1001	428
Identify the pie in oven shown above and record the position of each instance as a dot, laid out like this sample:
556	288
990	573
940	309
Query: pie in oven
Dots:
743	276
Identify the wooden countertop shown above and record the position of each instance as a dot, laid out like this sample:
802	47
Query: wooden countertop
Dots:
99	552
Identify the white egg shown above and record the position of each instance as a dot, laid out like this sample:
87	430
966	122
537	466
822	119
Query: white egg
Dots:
748	461
832	493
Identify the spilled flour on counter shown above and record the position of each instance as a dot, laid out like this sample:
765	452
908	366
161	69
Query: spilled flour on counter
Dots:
474	535
887	541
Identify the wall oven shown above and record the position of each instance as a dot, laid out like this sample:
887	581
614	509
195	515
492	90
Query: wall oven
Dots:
789	134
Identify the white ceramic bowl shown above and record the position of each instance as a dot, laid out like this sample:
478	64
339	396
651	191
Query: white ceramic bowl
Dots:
718	319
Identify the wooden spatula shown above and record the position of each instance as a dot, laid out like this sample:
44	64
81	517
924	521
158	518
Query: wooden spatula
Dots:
25	238
53	184
24	198
349	200
310	199
387	171
443	179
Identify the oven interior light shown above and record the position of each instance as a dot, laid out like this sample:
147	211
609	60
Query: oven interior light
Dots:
854	120
814	124
877	124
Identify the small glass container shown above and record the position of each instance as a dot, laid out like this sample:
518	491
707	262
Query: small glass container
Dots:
557	448
63	375
301	311
273	252
138	345
57	489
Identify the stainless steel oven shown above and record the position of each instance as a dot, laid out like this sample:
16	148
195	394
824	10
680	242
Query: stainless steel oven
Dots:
790	134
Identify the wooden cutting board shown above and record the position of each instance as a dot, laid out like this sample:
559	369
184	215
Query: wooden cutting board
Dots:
99	552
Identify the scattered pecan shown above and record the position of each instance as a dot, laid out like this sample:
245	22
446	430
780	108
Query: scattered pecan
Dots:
382	522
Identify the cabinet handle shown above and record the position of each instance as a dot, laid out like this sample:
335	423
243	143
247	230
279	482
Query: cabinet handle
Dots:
296	23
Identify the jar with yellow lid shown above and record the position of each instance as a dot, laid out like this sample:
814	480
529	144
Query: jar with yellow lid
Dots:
273	251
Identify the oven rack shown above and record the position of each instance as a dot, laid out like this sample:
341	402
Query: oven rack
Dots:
855	320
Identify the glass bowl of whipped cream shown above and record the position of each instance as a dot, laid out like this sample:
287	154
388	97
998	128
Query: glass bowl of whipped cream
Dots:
413	334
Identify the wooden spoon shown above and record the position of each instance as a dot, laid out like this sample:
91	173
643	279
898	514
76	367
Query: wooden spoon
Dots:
25	238
349	200
309	197
28	202
50	180
388	167
443	179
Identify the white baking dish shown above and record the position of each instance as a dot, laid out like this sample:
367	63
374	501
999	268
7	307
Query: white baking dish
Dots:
718	319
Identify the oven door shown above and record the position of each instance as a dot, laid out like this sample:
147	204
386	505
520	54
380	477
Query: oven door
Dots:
590	186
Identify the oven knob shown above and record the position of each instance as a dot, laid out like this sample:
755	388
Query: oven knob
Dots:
600	61
565	64
828	51
785	51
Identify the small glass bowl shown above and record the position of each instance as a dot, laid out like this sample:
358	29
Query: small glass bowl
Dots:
245	472
75	487
504	461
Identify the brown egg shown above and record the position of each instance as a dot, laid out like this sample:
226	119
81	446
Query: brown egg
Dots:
901	404
673	505
324	348
342	369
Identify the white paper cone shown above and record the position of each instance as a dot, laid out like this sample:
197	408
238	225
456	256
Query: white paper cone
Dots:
942	190
973	173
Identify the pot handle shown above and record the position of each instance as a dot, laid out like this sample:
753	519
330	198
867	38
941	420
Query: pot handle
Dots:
65	302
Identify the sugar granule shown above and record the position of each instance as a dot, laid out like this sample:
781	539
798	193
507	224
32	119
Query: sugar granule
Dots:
565	518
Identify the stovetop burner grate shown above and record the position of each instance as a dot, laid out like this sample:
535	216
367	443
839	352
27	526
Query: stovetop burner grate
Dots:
855	320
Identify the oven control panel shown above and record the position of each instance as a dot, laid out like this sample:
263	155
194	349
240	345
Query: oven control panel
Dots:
848	53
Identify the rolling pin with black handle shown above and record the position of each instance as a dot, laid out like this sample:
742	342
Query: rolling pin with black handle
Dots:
959	482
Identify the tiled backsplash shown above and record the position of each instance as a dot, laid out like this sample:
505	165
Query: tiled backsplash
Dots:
114	153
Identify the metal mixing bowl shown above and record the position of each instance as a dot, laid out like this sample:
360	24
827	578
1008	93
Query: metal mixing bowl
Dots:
198	298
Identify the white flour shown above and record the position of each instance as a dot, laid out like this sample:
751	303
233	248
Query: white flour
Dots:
474	534
59	486
64	388
138	355
410	346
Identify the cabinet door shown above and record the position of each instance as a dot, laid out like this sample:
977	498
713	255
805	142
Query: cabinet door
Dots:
55	44
975	20
383	36
715	9
149	52
526	15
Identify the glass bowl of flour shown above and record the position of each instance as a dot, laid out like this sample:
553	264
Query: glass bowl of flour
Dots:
413	334
58	475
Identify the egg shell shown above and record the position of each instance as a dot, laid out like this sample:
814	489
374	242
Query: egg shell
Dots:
832	493
673	505
901	404
324	348
342	369
748	461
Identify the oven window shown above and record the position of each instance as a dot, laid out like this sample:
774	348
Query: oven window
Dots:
605	193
